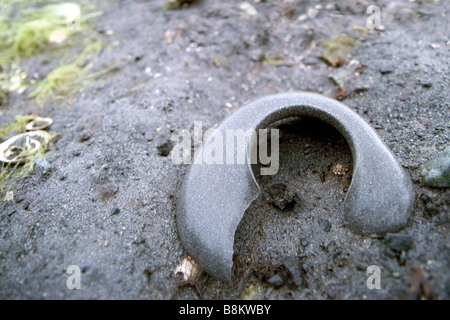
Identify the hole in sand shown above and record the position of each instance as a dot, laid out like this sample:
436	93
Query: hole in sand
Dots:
303	202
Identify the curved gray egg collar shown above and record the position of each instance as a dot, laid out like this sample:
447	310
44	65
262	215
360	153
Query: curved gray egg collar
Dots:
214	197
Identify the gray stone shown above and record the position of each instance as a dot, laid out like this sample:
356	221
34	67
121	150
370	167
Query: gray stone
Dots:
26	205
307	150
311	60
84	137
324	224
386	68
214	197
19	199
301	252
41	166
276	281
295	270
331	294
164	148
436	172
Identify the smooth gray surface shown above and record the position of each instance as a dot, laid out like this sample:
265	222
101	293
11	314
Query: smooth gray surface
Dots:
214	197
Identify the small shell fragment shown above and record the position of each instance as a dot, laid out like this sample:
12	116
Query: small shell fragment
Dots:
339	170
23	147
58	37
189	268
69	12
9	196
39	123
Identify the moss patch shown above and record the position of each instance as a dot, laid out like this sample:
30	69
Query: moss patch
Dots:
11	173
28	28
338	49
177	4
276	61
17	126
28	149
67	80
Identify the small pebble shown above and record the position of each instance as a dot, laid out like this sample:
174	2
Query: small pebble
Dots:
307	150
248	9
19	199
139	240
276	281
41	166
268	292
295	270
301	253
164	148
324	224
387	68
310	60
361	267
436	173
84	137
330	293
115	211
